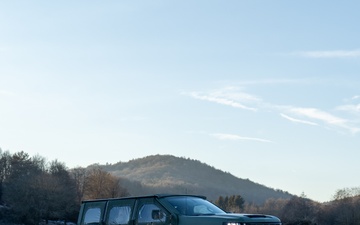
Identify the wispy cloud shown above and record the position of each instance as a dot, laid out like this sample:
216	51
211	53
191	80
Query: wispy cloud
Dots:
326	118
236	97
233	100
234	137
318	114
329	54
297	120
350	108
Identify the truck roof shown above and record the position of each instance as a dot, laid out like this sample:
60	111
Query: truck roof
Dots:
145	196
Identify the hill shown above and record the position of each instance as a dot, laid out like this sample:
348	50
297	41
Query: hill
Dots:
170	174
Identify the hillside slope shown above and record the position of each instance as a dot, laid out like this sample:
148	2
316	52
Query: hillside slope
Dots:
170	174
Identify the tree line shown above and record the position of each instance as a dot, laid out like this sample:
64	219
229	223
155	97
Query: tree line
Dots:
34	190
344	209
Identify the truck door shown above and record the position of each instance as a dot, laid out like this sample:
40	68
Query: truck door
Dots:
150	212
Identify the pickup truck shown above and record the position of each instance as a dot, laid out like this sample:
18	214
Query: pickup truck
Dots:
164	210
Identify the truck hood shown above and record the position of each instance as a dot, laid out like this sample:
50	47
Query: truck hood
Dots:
249	217
231	218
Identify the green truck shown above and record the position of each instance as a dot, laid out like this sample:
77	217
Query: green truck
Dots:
164	210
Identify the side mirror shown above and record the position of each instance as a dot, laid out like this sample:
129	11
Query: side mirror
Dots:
157	214
173	219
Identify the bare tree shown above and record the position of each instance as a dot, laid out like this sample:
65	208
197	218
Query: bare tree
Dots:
79	175
274	206
299	210
101	184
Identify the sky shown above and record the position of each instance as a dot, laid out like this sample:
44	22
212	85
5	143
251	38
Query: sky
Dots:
265	90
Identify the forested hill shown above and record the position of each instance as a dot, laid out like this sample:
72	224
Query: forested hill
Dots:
170	174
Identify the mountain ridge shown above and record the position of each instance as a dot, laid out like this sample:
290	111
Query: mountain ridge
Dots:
179	175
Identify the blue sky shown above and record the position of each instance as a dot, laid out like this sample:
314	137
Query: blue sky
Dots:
265	90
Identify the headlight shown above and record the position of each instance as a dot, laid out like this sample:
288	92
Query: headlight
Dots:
233	223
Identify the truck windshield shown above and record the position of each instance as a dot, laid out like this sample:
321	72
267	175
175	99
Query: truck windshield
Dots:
193	206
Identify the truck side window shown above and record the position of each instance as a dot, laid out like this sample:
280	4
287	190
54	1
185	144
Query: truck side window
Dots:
151	213
92	213
119	212
119	215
